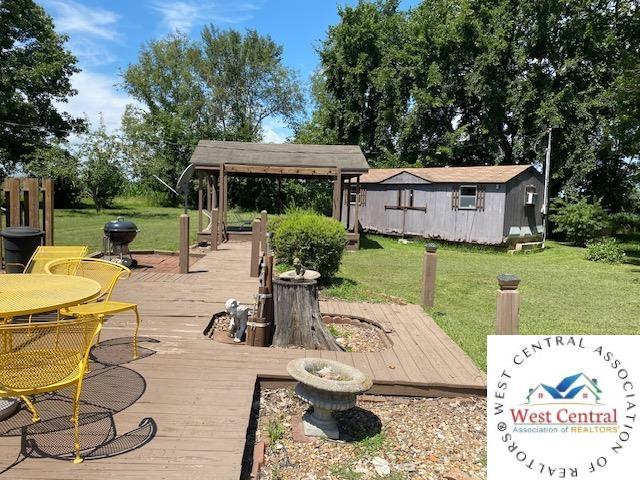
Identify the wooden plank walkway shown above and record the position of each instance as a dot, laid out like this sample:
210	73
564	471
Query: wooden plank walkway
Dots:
183	409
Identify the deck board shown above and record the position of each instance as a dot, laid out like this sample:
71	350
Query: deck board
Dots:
199	392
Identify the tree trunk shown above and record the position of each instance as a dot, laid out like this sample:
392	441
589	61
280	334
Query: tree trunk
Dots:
297	316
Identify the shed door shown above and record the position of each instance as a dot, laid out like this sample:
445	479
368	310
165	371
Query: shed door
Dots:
414	212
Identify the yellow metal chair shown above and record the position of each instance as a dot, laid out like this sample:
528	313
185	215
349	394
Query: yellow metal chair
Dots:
45	357
107	275
44	254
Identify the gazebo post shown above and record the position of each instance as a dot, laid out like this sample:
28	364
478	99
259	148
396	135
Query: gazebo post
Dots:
347	202
337	194
221	204
200	202
356	216
225	206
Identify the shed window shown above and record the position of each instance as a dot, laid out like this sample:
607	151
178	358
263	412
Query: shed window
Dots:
353	194
468	197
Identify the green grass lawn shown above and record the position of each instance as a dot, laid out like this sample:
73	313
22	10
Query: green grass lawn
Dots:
562	293
159	228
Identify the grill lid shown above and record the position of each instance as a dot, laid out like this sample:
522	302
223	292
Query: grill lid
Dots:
120	225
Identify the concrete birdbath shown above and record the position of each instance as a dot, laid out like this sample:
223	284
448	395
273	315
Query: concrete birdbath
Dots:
328	386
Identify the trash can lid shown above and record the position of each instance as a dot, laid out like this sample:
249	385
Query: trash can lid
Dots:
18	232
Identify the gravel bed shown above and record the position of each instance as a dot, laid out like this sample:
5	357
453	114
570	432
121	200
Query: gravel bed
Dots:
360	337
383	437
357	338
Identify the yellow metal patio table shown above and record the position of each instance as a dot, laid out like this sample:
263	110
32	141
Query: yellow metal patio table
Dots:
32	293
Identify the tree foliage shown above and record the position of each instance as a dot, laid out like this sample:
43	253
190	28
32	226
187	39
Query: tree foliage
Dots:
456	82
63	167
578	220
35	72
221	87
102	173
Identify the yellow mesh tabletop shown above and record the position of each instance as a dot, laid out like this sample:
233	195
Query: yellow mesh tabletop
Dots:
26	294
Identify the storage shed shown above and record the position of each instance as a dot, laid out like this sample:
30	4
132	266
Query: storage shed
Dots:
480	204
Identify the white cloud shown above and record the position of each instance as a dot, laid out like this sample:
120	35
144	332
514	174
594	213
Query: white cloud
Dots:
72	17
270	136
184	14
97	95
91	30
274	130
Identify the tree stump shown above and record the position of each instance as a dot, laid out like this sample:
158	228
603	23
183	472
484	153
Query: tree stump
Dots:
297	317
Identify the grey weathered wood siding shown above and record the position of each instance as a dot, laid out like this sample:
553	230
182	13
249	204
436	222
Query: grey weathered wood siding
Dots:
523	221
440	220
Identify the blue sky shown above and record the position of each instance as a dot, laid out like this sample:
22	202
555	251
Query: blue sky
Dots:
107	35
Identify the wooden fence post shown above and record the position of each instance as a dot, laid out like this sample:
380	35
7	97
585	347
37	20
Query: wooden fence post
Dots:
47	220
184	243
12	201
429	274
214	229
31	188
507	322
255	247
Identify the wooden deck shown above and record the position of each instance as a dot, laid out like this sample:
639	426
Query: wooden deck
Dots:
183	409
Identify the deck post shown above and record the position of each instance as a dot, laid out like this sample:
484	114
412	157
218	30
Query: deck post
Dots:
47	214
429	275
256	233
263	231
508	304
184	243
213	245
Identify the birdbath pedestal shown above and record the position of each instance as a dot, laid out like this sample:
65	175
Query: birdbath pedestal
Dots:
328	386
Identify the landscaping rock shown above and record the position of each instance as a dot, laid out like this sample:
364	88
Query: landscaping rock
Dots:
418	438
456	475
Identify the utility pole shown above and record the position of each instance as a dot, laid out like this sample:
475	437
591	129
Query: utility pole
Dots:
545	203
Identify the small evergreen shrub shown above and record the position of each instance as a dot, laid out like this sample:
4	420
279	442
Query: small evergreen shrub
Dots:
318	241
605	250
579	221
625	222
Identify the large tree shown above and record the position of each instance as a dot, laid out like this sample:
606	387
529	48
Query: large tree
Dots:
35	72
456	82
221	87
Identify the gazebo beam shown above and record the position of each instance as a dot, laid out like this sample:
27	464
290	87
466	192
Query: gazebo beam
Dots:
293	171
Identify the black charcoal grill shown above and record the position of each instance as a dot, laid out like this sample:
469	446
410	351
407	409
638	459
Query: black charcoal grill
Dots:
118	234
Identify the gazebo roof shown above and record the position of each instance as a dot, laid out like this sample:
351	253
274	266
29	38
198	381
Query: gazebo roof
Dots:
213	153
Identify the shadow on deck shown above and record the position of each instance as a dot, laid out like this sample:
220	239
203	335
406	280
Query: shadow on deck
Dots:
185	405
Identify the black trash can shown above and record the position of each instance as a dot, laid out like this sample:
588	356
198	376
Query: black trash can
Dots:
19	245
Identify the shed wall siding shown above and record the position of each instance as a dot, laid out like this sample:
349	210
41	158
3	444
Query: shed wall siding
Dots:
439	221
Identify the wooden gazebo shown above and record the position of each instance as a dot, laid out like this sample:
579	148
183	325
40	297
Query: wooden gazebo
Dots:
215	161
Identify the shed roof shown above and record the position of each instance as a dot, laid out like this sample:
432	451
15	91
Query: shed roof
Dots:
476	174
213	153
